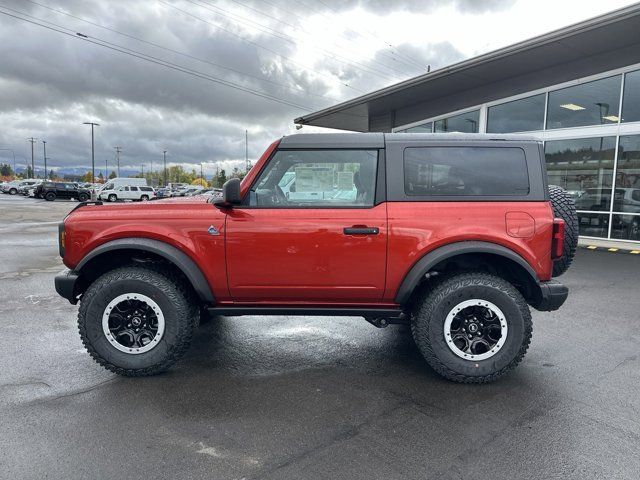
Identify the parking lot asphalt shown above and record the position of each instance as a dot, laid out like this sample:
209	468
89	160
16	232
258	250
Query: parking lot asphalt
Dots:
312	397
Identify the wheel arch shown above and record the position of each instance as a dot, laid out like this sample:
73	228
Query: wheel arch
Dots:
471	255
113	253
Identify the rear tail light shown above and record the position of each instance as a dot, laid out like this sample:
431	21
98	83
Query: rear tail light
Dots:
62	238
557	243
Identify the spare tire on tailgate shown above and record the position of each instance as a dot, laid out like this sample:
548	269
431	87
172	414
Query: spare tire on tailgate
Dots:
565	208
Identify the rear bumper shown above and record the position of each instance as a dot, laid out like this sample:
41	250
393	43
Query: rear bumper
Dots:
552	295
65	283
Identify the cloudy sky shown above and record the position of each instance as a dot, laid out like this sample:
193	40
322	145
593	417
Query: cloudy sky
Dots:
252	64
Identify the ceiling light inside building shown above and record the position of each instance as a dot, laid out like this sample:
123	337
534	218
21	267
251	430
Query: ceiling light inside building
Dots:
572	106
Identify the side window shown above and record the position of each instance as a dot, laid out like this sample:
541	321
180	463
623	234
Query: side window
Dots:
317	178
108	186
465	171
134	189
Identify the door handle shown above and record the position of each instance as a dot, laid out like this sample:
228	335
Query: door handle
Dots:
361	230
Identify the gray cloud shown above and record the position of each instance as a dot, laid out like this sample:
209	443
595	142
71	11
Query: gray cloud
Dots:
51	83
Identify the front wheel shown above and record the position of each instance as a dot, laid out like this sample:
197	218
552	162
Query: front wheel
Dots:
13	191
137	321
50	197
83	197
112	197
472	327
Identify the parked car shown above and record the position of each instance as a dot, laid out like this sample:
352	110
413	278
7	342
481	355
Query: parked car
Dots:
163	192
454	235
117	182
13	187
24	186
51	191
128	192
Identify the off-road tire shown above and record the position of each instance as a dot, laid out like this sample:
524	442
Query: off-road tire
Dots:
50	197
565	208
427	326
83	197
112	197
177	302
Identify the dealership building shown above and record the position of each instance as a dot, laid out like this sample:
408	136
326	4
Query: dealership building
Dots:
577	89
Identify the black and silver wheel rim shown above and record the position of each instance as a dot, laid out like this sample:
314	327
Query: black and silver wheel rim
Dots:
133	323
475	329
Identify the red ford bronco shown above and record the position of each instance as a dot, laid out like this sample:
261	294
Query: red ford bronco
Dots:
456	235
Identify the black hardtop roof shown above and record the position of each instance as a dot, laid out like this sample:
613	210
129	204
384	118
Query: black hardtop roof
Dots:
377	140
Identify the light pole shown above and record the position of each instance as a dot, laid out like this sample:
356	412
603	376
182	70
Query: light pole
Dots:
33	165
14	159
201	177
44	146
143	170
164	156
118	150
93	157
106	169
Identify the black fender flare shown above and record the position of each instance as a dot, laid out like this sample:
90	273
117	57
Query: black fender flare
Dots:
428	261
180	259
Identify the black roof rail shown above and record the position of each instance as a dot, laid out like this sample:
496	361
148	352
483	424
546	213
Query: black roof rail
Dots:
82	204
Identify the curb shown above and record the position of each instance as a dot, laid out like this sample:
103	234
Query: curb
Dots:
611	250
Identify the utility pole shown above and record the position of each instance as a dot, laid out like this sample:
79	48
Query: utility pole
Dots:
143	170
44	146
201	183
106	170
164	156
118	150
93	157
33	164
246	149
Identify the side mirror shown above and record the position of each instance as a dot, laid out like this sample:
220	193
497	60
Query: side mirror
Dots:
231	192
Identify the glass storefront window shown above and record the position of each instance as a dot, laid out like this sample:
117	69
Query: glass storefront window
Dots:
465	122
593	224
626	227
631	97
583	167
524	115
592	103
424	128
627	193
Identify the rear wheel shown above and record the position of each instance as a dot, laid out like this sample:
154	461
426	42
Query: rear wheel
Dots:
13	191
137	321
50	196
144	198
472	327
565	208
83	197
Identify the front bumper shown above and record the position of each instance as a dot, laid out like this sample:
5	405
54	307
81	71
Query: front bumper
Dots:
552	295
65	283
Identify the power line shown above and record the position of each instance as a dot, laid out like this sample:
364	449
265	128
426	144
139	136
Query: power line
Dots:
187	55
299	27
152	59
279	55
290	39
386	43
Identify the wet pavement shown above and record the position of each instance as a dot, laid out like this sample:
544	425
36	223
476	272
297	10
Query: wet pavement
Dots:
311	398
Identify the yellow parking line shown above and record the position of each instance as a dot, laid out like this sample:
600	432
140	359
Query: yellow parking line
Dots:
634	252
592	247
613	249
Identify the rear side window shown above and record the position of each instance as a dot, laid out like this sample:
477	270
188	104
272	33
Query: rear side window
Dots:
146	189
465	171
